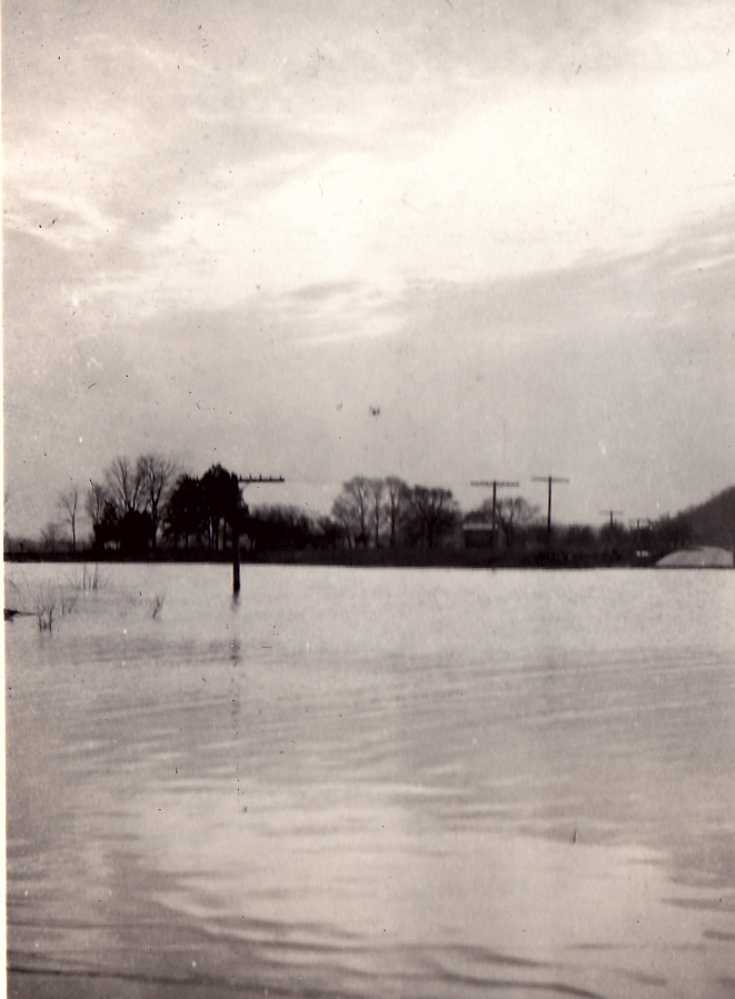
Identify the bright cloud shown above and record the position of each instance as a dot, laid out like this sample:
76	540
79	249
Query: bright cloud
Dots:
533	181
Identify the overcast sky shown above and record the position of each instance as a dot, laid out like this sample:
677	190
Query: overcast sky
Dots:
232	228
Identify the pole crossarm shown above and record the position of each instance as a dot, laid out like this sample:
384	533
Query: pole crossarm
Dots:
245	479
497	483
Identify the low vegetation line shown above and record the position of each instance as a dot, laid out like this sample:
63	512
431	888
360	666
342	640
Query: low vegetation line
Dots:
152	510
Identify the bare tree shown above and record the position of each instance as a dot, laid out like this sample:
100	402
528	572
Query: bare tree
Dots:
514	513
352	508
398	495
344	515
94	502
156	475
68	504
124	485
376	488
435	511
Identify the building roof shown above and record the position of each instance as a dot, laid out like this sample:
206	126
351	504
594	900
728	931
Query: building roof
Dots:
698	558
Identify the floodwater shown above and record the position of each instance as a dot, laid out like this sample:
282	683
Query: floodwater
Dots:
372	783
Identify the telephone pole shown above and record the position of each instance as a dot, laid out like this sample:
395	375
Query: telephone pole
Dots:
550	480
496	484
244	480
612	514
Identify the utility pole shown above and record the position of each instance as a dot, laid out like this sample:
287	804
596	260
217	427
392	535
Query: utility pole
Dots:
612	514
496	484
244	480
550	480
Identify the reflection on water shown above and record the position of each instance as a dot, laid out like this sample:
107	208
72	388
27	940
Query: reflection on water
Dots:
374	783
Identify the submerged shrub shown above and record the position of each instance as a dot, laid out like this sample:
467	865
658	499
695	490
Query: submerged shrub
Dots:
68	604
45	608
90	579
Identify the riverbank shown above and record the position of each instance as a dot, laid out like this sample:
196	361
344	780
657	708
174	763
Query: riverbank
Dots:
448	558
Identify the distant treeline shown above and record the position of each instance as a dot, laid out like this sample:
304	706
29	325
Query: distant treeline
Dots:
151	508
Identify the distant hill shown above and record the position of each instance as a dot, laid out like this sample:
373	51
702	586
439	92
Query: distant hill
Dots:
712	522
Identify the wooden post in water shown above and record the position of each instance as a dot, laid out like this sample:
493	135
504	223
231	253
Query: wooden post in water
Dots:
236	557
244	480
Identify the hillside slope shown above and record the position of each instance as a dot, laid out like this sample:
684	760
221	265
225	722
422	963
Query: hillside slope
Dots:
712	522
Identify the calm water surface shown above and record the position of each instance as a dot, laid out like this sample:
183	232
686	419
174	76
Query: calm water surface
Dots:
373	783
